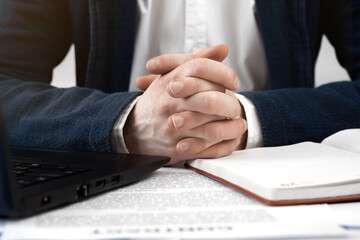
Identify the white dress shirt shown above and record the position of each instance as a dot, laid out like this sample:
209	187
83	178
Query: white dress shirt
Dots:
181	26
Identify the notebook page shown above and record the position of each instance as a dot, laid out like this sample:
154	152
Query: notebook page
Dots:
302	165
347	140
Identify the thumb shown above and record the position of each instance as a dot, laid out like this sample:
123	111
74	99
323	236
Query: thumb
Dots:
217	53
143	82
168	62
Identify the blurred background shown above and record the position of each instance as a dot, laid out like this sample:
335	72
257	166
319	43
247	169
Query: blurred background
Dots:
327	68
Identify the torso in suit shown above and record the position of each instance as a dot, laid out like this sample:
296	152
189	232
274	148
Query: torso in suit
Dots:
36	36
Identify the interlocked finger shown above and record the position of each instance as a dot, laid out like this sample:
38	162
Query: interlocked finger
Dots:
168	62
212	103
188	86
211	134
193	147
143	82
209	70
221	149
187	120
218	131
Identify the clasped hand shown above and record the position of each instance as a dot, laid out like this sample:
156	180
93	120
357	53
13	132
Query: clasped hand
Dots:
188	109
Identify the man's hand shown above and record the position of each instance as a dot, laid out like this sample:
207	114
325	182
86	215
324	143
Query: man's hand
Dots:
187	113
166	63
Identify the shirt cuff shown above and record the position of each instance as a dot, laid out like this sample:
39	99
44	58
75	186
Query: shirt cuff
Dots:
255	136
117	135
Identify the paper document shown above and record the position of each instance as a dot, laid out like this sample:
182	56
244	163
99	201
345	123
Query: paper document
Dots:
175	203
2	224
347	215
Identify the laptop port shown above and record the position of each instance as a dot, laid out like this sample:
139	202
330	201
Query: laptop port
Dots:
115	179
100	183
45	200
82	191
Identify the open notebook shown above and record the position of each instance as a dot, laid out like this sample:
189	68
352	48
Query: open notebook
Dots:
296	174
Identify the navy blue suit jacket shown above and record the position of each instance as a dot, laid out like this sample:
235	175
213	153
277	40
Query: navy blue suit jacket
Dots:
36	35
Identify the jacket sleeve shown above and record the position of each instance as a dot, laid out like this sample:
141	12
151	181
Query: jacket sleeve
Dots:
310	114
34	38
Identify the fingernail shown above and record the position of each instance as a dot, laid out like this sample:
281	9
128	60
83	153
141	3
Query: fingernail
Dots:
184	146
178	121
236	83
176	87
153	64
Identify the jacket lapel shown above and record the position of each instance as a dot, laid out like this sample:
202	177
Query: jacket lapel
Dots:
283	24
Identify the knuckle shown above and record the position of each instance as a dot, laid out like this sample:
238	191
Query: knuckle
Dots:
197	146
227	148
217	133
235	109
243	127
239	129
197	85
199	66
165	107
221	152
215	153
163	60
233	145
210	100
202	146
230	147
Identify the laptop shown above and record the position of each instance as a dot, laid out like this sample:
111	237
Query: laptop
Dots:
36	180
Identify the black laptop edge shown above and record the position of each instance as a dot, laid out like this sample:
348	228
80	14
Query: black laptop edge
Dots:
115	170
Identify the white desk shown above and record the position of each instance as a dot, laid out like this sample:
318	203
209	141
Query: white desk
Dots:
178	203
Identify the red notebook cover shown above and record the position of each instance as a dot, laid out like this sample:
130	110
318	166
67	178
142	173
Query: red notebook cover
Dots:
278	202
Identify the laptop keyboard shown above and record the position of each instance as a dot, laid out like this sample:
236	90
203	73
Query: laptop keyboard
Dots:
28	174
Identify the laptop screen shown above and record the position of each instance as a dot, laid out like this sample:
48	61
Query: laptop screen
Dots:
7	190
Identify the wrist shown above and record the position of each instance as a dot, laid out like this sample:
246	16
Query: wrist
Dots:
129	130
254	136
117	136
